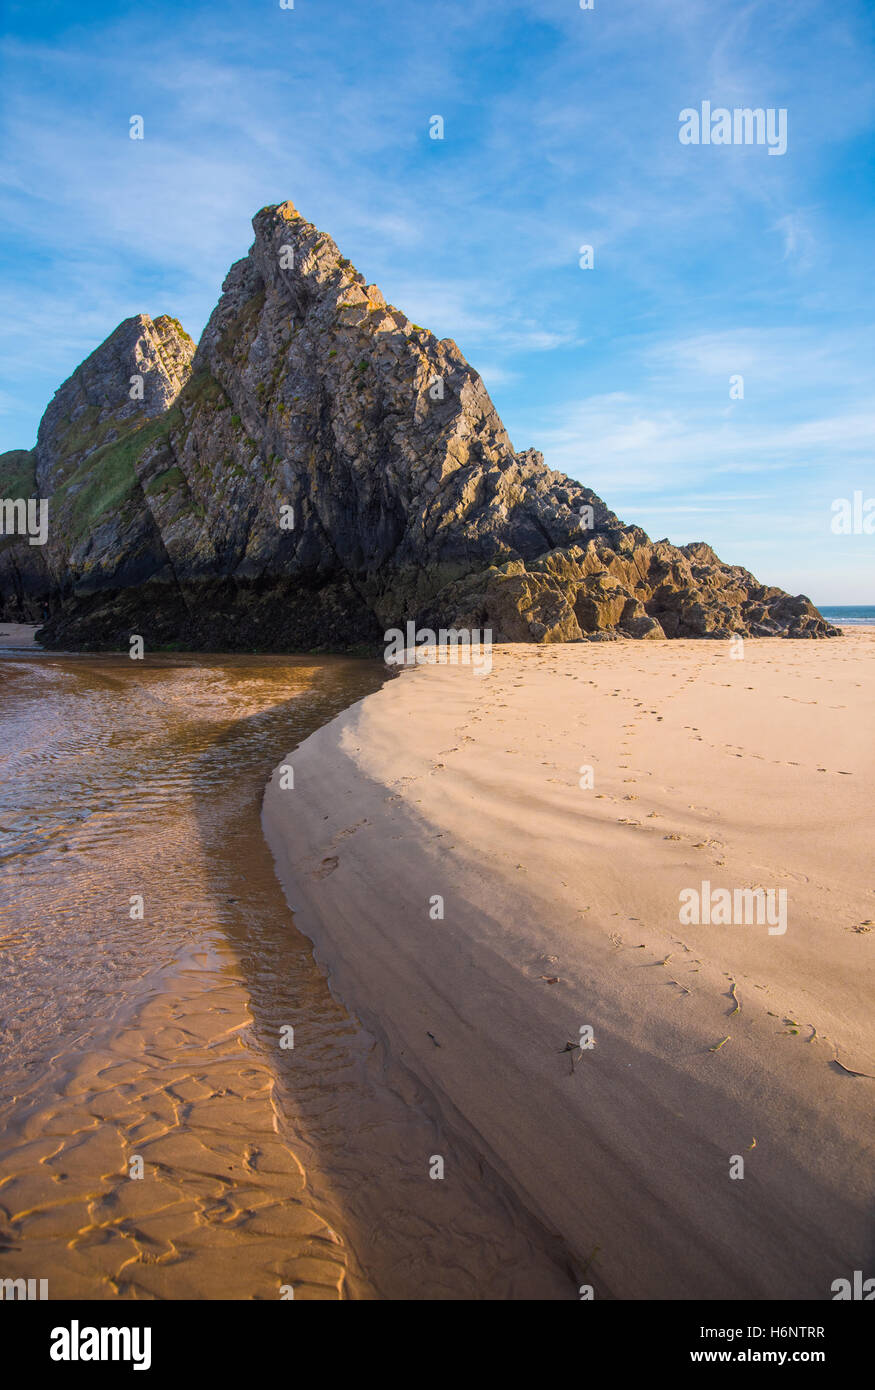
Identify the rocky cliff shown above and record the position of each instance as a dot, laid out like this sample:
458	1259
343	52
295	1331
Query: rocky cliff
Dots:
322	469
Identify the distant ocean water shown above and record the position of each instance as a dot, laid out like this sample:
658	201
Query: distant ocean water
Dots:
854	613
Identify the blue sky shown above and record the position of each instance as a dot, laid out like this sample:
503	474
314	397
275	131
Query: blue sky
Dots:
561	129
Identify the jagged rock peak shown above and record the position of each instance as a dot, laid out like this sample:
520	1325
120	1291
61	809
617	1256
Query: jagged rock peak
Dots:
104	395
310	397
295	281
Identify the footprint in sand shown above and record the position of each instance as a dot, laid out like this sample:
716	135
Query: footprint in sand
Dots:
349	830
327	867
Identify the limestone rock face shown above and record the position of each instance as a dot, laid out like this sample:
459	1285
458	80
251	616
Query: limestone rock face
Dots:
322	469
102	397
82	465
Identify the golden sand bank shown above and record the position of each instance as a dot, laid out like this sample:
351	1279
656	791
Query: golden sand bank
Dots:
497	867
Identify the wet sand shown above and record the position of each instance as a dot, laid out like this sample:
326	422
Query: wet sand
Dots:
712	1043
128	1041
18	636
159	1039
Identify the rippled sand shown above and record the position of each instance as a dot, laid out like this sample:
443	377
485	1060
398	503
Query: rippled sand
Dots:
159	1038
125	1038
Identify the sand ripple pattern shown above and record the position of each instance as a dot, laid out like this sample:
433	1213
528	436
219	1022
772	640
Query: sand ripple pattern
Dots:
122	1038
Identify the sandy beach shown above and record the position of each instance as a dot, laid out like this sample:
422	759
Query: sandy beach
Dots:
490	863
18	637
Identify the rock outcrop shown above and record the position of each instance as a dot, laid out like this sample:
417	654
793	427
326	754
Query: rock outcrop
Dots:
322	469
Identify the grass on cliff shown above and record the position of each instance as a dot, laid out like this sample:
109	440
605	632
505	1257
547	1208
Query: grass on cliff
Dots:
18	473
105	480
17	479
88	431
108	477
167	481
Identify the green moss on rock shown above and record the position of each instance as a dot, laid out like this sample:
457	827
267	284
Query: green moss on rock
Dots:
168	481
18	473
107	478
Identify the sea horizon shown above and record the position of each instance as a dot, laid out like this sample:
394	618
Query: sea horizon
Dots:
852	614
